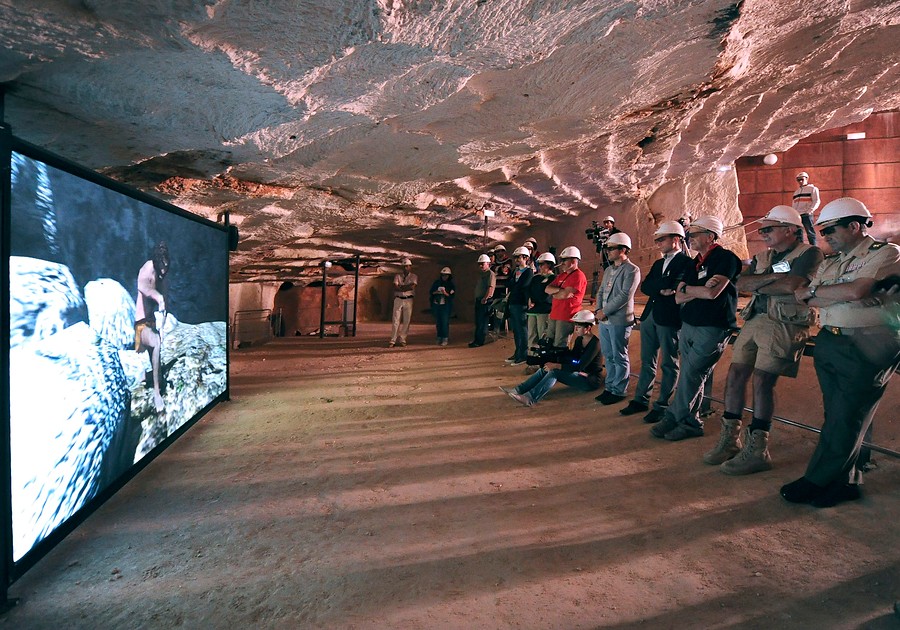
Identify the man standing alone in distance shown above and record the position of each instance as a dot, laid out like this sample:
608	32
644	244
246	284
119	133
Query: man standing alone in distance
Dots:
806	200
567	291
485	283
771	342
150	313
660	323
404	292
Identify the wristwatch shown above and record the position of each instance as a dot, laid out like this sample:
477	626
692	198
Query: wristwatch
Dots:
812	292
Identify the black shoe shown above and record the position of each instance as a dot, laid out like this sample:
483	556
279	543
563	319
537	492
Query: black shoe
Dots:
475	345
801	491
683	432
654	416
836	493
660	429
633	408
608	398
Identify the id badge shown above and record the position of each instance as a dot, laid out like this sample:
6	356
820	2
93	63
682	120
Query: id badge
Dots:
701	274
781	267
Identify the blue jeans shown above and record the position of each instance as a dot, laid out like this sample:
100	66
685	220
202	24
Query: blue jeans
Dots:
442	319
614	346
519	326
661	340
538	384
701	348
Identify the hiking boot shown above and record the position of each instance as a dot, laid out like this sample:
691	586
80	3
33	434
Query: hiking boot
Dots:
668	423
753	458
683	432
729	443
633	408
654	416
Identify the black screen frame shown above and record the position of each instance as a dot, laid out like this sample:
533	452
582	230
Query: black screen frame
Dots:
11	570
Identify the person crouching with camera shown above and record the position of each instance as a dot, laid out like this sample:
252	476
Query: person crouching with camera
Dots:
579	365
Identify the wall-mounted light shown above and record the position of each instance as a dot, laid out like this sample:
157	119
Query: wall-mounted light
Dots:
487	213
856	135
770	159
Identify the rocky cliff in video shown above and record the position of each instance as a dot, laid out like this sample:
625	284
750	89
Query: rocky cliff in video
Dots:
92	389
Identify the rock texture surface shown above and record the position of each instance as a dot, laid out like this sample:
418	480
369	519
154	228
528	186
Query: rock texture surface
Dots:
385	126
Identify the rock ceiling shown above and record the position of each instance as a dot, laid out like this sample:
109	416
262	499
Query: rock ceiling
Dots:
385	127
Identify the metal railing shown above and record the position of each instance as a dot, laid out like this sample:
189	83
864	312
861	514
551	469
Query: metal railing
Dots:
252	328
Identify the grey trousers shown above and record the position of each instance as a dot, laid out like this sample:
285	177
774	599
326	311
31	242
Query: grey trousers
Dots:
701	347
662	341
852	387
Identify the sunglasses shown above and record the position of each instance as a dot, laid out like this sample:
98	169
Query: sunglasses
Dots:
829	230
612	247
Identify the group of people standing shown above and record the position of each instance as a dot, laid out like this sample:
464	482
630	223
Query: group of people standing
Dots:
691	316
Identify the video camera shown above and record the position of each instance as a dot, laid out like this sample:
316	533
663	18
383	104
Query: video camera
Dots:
545	352
598	234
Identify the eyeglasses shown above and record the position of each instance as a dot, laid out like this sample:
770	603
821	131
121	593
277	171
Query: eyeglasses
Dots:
829	230
662	238
767	229
800	179
612	247
697	233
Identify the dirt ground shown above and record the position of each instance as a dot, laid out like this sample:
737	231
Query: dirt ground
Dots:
348	485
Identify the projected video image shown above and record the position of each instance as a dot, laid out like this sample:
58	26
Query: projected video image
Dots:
117	337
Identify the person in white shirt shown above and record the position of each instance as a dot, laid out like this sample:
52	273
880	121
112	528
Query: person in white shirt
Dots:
404	292
806	201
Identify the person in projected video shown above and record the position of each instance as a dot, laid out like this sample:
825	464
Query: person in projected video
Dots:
150	313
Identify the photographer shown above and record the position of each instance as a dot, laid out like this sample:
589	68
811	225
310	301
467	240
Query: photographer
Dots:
579	365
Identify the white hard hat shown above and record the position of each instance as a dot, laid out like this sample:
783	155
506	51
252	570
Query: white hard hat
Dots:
584	317
710	224
781	215
521	251
528	244
802	174
500	248
669	227
619	238
547	257
446	270
609	218
841	209
532	240
570	252
405	261
484	258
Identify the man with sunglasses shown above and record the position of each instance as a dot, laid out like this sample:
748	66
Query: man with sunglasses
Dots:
709	301
852	383
660	323
776	328
805	202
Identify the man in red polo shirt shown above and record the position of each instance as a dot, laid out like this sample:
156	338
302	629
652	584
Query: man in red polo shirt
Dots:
567	291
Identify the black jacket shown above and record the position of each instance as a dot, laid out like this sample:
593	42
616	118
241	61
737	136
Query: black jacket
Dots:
665	311
518	289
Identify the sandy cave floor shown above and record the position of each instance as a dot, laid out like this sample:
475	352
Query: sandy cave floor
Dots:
348	485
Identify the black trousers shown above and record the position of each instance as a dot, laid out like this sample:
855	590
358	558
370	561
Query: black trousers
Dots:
852	387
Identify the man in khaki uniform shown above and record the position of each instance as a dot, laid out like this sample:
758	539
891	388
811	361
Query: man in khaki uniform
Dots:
771	341
404	293
852	381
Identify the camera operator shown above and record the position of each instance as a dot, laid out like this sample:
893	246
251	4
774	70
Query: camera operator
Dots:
579	365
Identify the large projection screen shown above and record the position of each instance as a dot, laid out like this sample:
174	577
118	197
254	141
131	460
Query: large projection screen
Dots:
118	304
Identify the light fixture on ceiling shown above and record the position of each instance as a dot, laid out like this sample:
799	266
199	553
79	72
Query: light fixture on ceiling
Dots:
856	135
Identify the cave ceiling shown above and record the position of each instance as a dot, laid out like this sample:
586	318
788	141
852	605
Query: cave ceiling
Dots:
385	127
